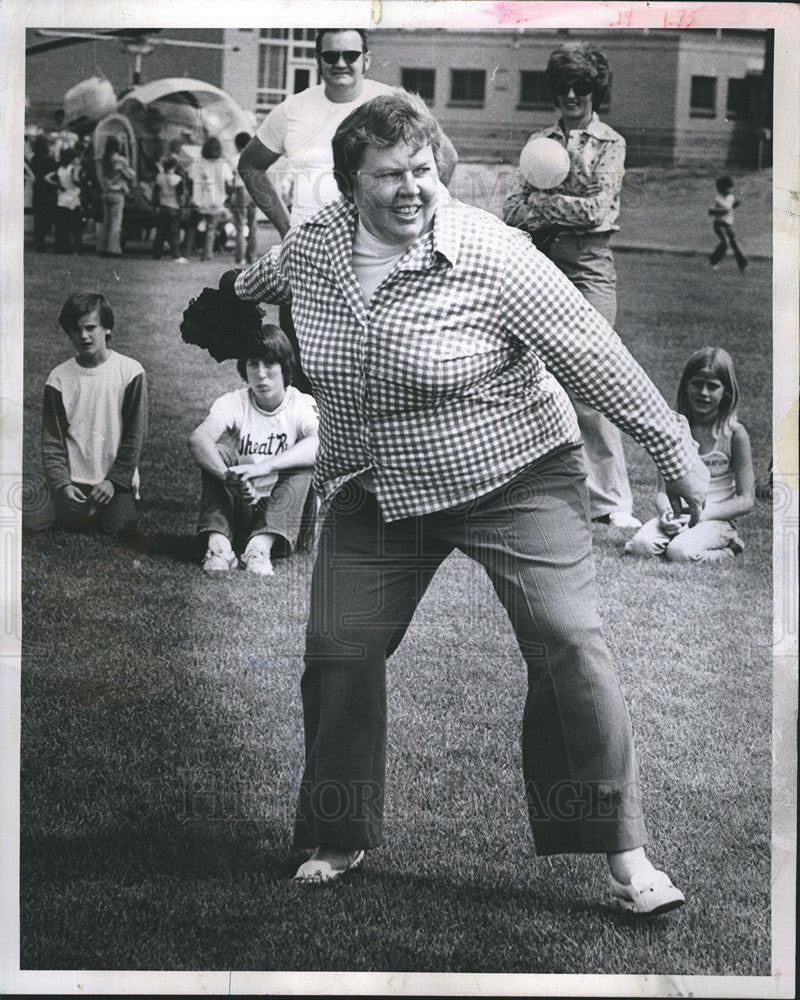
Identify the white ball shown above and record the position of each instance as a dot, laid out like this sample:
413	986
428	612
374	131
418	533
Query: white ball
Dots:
544	163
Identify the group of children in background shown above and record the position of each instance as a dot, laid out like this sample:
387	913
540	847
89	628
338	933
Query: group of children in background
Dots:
191	202
257	446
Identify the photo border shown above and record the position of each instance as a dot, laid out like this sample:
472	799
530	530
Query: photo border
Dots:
15	17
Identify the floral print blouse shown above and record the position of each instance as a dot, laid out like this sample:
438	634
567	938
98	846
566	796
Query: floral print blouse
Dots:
588	200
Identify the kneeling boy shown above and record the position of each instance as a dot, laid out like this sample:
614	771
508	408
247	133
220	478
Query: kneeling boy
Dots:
256	449
94	423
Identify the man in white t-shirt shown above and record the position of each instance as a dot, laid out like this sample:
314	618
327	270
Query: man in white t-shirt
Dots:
301	129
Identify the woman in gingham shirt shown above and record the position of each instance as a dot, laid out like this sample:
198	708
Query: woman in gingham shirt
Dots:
429	330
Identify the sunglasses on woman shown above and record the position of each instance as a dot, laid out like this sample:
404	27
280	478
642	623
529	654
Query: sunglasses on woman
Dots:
581	87
331	57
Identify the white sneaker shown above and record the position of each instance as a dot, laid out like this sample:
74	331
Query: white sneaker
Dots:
218	562
258	562
621	519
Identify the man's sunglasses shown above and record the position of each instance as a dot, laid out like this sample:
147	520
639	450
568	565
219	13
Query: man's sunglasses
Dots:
331	57
582	88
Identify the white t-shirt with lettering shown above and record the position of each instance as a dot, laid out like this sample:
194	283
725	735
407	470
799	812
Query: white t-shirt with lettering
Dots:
257	434
302	128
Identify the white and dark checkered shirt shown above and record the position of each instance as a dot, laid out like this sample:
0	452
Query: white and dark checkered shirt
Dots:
442	385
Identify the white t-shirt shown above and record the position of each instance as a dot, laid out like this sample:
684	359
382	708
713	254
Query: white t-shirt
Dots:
724	203
372	260
256	434
209	178
69	192
302	128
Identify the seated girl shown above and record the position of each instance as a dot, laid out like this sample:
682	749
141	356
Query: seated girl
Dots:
256	449
708	395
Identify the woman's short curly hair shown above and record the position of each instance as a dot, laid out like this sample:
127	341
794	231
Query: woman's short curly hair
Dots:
576	60
383	122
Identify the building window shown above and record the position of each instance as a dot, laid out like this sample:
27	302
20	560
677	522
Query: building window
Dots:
468	87
738	105
533	89
703	100
286	64
419	81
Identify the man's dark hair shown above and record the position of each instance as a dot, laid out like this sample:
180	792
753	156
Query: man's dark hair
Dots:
724	184
383	122
81	304
327	31
578	61
241	140
270	345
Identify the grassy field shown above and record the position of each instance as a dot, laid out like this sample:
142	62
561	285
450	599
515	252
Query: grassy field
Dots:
161	716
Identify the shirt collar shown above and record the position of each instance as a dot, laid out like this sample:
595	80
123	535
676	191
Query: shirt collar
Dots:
340	217
594	128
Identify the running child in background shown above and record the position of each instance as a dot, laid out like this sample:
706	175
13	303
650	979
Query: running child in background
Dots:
94	424
708	395
256	449
722	213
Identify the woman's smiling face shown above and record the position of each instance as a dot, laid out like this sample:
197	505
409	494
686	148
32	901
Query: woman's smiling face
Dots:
395	192
575	103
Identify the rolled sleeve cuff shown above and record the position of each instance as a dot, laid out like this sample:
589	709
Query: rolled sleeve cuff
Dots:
677	453
256	281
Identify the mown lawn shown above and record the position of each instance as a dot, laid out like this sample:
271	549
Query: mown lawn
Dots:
161	716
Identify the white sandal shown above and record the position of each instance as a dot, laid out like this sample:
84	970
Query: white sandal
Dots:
321	871
647	895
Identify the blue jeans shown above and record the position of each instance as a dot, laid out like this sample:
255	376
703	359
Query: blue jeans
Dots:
110	238
725	235
532	536
288	512
119	517
588	262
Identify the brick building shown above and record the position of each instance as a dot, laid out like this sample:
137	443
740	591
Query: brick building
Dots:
690	96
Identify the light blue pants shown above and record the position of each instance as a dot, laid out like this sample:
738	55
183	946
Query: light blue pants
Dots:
532	536
110	239
707	541
589	264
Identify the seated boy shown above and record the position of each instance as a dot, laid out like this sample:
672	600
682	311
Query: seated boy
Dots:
94	424
256	449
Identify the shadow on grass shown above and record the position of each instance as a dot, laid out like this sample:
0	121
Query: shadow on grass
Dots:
178	547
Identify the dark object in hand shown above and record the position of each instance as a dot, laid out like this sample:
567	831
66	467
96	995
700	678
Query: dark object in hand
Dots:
543	238
221	322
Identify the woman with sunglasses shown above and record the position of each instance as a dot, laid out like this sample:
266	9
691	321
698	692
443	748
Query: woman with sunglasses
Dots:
573	224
